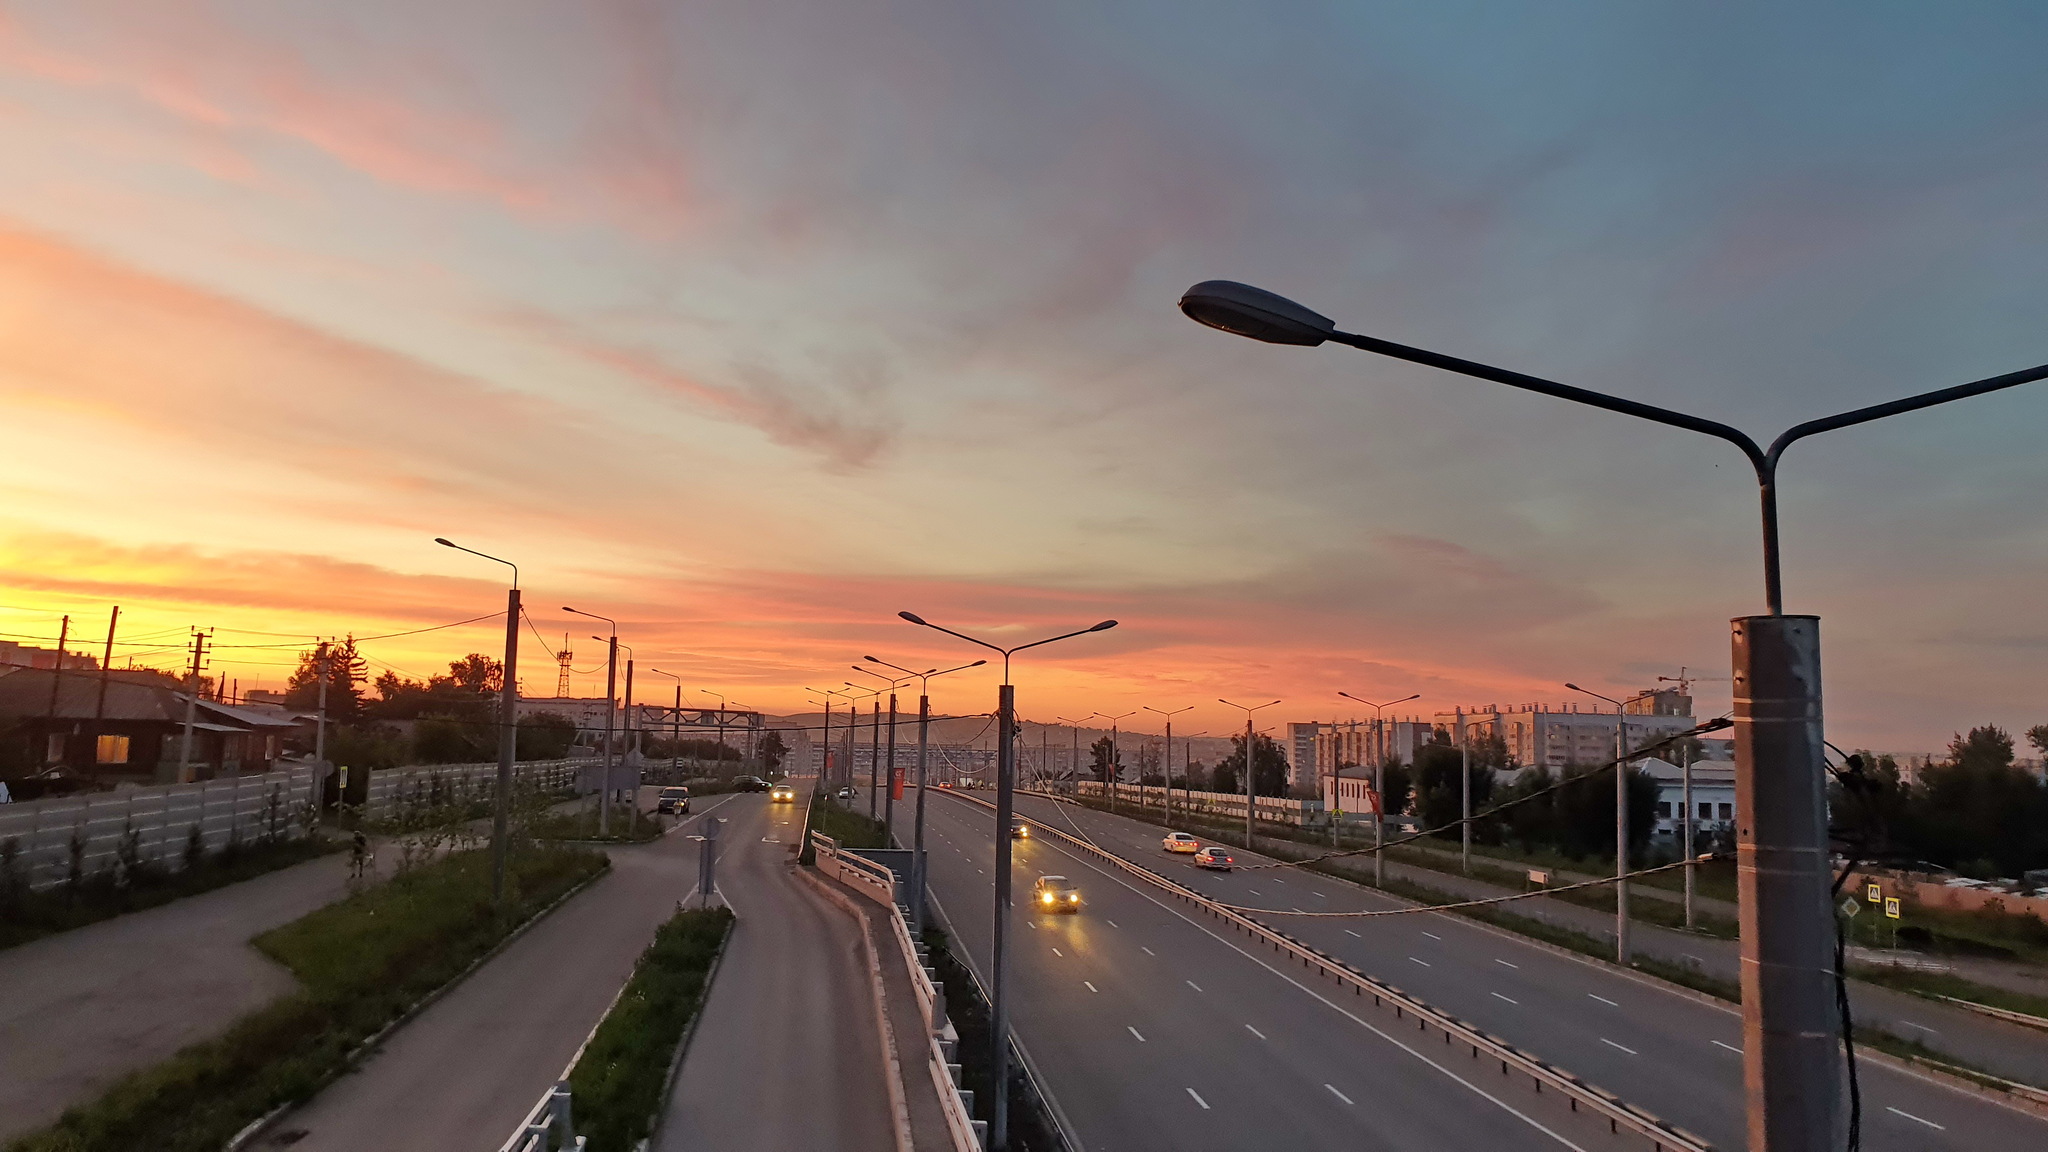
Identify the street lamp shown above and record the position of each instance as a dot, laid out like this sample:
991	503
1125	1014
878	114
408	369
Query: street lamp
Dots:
508	724
825	741
1116	764
1379	804
721	724
1075	722
874	742
1621	952
1250	801
675	728
611	706
1790	1025
924	722
1006	764
889	775
1166	761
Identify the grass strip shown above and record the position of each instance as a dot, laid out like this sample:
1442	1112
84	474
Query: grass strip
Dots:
1939	984
27	915
852	829
362	963
617	1084
1031	1125
634	827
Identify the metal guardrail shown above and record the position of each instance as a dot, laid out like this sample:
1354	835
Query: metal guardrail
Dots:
1619	1113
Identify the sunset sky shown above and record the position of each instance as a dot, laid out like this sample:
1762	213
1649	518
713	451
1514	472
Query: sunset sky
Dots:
751	322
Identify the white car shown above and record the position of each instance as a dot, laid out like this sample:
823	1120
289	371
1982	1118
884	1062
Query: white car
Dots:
1180	842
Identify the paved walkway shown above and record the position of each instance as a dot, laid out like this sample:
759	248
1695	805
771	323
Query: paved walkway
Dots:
461	1075
788	1055
81	1008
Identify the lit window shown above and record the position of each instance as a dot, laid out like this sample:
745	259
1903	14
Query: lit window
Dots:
111	750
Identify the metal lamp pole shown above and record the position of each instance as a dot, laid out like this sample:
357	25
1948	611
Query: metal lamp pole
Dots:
1116	763
611	707
508	725
1006	764
675	728
1166	761
1074	765
825	741
1621	950
874	745
924	723
1251	802
1791	1031
1379	804
889	776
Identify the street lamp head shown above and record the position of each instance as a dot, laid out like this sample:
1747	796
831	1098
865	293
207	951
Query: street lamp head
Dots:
871	660
1105	626
445	542
1255	312
913	617
977	663
1573	687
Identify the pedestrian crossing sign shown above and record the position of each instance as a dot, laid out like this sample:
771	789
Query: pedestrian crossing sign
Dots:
1891	907
1873	893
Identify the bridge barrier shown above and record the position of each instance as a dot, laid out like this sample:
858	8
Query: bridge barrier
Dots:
1619	1114
878	883
1272	809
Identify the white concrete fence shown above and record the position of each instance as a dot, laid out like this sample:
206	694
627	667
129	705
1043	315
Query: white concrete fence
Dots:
238	809
1278	809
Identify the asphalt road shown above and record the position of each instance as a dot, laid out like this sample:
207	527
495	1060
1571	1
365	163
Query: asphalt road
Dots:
1666	1052
1153	1030
81	1008
787	1055
462	1074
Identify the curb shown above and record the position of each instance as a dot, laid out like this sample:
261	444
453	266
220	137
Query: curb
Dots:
247	1136
675	1062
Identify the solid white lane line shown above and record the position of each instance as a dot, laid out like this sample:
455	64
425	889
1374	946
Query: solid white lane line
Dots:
1195	986
1603	1000
1433	936
1255	1031
1424	963
1135	1032
1910	1116
1730	1047
1198	1099
1623	1047
1922	1027
1090	987
1510	1000
1349	932
1147	951
1337	1094
1498	960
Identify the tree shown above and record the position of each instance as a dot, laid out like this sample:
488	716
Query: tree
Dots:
1106	759
1397	785
546	736
1439	793
1978	811
1194	778
344	672
1269	763
772	750
2038	737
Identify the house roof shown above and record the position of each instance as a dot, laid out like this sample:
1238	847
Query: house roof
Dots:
1703	771
131	696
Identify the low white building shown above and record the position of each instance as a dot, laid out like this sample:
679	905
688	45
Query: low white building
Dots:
1713	796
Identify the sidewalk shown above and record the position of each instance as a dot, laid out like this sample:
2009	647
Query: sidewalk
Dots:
82	1008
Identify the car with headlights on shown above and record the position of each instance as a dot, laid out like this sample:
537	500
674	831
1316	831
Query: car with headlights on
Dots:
1180	842
1055	894
1214	857
1019	828
781	794
672	801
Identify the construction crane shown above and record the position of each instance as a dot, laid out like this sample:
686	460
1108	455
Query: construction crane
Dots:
562	659
1686	682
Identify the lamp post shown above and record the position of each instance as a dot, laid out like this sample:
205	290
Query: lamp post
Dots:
874	744
1166	761
1187	746
1116	763
889	776
924	723
1006	763
1250	797
675	728
611	707
721	723
1621	949
1790	1026
1075	722
508	724
825	741
1379	804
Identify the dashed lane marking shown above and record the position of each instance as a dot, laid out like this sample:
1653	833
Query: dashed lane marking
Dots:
1337	1094
1195	986
1255	1031
1916	1119
1090	987
1623	1047
1135	1032
1603	1000
1424	963
1198	1099
1498	960
1730	1047
1509	999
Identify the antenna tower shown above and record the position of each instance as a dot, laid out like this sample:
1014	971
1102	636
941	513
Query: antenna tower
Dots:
562	680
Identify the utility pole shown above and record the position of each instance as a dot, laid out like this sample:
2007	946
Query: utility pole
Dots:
99	709
508	744
1464	796
320	659
1166	761
57	678
191	705
611	712
889	801
1251	802
875	759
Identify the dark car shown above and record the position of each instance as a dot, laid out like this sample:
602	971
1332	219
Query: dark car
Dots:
749	784
1019	830
673	800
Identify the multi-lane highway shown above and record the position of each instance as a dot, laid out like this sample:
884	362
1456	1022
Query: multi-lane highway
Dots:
1131	958
1155	1029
